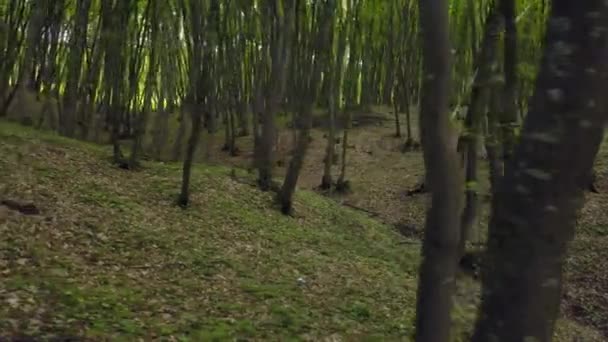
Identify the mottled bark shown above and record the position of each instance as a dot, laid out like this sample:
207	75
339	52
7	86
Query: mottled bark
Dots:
493	143
508	119
534	211
442	228
486	70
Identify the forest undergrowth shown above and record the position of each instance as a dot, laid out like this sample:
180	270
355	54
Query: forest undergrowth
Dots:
103	253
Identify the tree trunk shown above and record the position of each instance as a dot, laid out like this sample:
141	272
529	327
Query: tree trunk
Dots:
321	45
330	151
342	182
184	196
280	62
142	121
534	212
178	145
508	118
473	122
285	196
32	40
78	45
493	145
441	239
397	123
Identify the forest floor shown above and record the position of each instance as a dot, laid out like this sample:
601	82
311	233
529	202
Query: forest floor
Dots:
105	255
381	175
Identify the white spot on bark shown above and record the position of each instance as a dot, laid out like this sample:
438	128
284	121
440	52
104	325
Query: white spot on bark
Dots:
447	280
552	282
585	124
556	94
563	48
538	174
545	137
561	24
591	103
522	189
551	208
430	77
590	71
597	31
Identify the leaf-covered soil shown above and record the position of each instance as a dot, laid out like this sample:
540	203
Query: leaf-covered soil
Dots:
381	174
107	256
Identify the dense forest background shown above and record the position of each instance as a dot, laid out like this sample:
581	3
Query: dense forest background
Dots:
482	117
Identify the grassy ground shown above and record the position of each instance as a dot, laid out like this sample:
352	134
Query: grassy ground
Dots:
110	257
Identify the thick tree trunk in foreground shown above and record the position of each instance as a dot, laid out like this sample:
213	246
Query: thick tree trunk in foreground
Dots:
441	239
534	211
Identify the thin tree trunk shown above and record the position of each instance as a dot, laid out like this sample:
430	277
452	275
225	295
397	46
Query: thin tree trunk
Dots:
534	212
493	145
473	122
441	239
508	118
321	45
178	145
79	41
184	196
342	183
327	181
142	121
34	28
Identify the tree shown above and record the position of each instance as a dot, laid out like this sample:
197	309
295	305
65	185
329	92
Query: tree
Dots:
441	237
480	98
322	41
280	36
201	93
76	56
534	210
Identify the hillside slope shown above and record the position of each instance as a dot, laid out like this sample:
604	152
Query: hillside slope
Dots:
109	257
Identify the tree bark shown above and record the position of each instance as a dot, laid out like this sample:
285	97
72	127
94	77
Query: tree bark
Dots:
508	119
486	69
184	196
178	144
78	45
281	57
442	231
142	120
493	145
534	212
322	43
